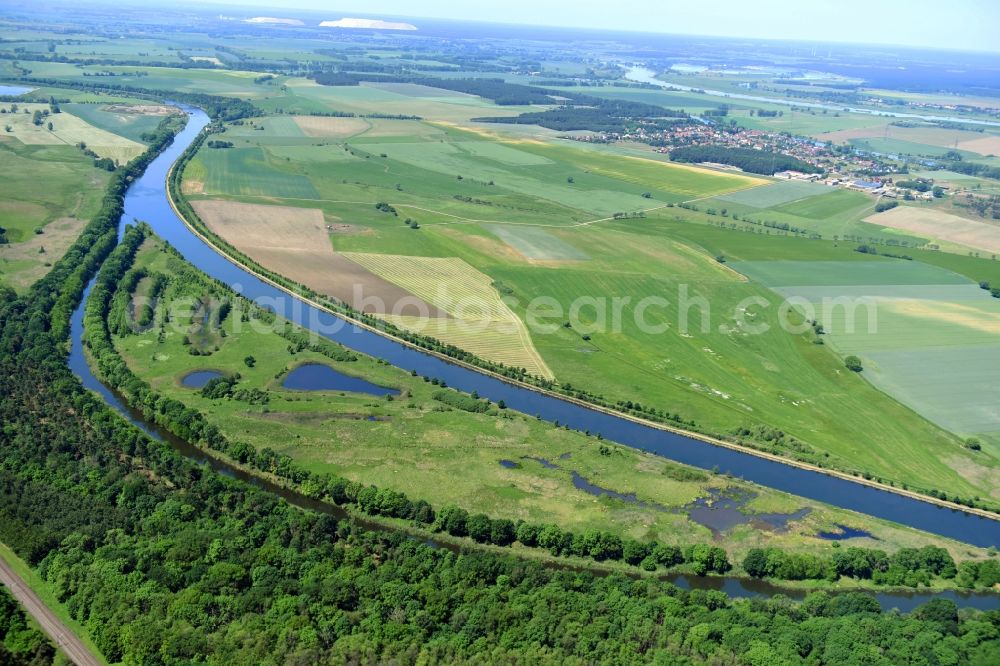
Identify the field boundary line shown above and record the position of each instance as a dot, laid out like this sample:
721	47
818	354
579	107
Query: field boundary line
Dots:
471	220
635	419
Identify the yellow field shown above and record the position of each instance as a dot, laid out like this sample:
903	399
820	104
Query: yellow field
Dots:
322	126
937	225
647	172
481	322
67	129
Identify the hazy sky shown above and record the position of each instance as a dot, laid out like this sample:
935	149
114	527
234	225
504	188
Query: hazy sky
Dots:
958	24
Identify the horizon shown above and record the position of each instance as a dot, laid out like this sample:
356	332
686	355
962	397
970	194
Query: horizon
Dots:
970	31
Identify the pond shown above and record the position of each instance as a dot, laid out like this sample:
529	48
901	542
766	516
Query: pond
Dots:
721	511
14	90
321	377
197	379
844	532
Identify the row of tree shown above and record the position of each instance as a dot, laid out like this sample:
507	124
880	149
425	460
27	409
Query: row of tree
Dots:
752	161
909	567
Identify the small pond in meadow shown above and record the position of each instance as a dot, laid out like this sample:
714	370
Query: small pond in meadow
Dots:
723	510
197	379
844	532
320	377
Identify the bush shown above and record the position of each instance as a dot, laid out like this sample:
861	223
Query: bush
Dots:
853	363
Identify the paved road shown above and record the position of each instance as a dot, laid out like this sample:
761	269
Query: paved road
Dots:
67	641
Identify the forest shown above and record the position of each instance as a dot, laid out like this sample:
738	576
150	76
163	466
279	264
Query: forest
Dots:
20	643
749	160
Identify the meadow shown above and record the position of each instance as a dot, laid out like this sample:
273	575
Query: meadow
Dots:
47	192
419	445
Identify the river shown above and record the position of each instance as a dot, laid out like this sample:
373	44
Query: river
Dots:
644	75
146	200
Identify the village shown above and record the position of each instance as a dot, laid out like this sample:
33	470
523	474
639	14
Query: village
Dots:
839	166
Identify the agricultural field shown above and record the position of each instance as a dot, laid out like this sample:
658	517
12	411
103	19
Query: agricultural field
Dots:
776	194
128	120
939	226
49	187
47	194
531	217
67	130
829	212
926	336
929	140
419	445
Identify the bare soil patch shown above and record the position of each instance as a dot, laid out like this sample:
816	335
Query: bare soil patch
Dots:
985	145
59	235
143	109
295	243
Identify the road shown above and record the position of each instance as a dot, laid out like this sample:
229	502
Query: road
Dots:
67	641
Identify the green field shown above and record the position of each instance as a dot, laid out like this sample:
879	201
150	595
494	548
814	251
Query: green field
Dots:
46	195
247	171
536	243
776	194
838	273
926	335
130	125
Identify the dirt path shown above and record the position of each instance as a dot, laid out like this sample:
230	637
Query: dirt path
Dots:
67	641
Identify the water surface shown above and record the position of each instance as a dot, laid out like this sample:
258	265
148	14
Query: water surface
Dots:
197	379
321	377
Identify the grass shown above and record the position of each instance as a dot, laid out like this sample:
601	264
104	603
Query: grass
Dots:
430	451
924	338
247	171
839	273
50	188
536	243
129	125
775	194
481	323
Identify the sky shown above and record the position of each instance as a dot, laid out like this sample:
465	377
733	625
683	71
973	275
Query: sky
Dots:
953	24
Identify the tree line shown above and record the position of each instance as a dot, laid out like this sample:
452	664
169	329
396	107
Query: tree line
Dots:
752	161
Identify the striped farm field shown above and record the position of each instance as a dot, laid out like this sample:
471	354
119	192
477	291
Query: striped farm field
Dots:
68	129
926	336
776	194
482	323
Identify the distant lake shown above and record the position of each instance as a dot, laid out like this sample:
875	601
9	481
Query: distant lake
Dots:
14	90
320	377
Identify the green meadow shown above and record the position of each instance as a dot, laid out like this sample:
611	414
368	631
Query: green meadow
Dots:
47	192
